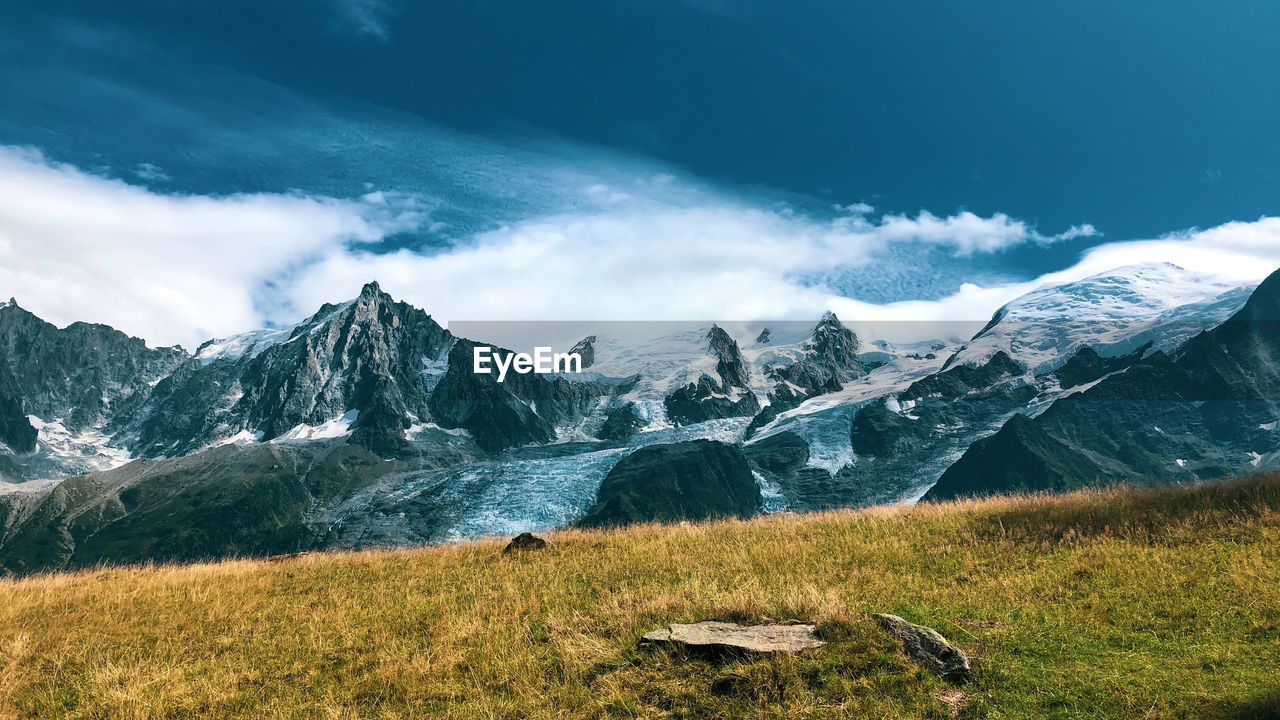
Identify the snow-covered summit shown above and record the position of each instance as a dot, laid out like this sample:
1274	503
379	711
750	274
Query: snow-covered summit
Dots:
1115	312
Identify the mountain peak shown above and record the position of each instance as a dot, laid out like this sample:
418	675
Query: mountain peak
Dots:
370	289
828	321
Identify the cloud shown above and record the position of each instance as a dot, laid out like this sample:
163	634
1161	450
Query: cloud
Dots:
170	268
968	233
182	268
651	260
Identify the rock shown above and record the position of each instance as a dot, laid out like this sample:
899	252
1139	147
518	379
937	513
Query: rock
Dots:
695	480
525	541
708	399
928	649
830	359
720	636
621	423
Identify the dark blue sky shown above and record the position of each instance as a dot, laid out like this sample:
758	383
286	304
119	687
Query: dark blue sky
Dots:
1138	117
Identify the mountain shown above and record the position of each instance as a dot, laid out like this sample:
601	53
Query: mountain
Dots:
890	435
362	367
60	388
365	425
1208	409
728	394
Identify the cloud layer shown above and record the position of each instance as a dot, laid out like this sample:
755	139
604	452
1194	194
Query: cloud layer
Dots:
170	268
181	268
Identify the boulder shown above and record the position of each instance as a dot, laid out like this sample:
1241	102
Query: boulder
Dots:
928	649
525	541
728	637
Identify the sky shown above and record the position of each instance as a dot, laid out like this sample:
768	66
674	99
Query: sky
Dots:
191	170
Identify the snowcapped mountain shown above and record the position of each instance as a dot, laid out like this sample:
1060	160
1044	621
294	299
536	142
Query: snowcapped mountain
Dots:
1114	313
889	437
1208	409
366	424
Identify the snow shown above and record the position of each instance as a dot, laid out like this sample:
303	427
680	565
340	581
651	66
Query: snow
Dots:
335	428
1181	463
253	343
244	437
244	345
1115	313
417	428
1269	426
60	453
510	494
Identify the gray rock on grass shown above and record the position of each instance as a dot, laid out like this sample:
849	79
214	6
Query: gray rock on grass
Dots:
927	648
721	636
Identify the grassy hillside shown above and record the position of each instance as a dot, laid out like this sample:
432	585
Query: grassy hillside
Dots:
1118	604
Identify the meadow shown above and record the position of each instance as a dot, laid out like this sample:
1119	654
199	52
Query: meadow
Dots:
1126	603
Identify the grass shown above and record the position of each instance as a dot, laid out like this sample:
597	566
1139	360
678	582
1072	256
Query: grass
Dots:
1102	604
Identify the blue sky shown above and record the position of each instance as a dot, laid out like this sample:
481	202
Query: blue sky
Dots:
886	152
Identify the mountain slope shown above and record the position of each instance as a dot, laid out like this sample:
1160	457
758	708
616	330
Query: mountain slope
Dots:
891	435
1209	410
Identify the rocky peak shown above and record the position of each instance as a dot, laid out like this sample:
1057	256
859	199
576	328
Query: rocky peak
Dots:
79	375
730	365
371	289
366	355
834	342
586	349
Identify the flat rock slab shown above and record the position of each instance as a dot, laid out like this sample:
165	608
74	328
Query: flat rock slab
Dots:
928	649
731	636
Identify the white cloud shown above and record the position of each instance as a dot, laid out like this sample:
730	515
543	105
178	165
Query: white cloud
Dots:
170	268
967	233
180	269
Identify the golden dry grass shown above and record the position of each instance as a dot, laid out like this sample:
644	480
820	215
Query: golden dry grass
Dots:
1104	604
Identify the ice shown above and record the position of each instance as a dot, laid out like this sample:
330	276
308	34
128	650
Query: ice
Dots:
335	428
248	344
244	437
1114	313
60	453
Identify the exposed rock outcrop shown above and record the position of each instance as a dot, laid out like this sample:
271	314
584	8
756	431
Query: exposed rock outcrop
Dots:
831	359
710	399
697	480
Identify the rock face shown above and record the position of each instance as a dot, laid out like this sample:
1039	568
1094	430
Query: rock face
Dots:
621	423
928	649
522	409
1209	409
80	376
524	541
696	480
709	399
831	360
585	349
368	355
731	637
16	430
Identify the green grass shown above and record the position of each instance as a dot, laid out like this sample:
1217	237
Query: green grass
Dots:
1104	604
